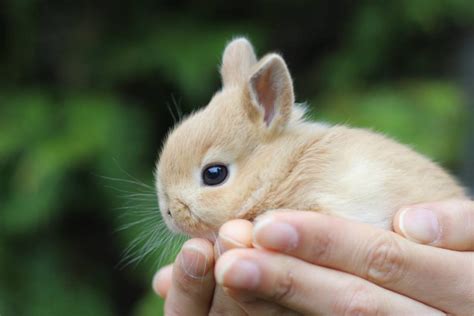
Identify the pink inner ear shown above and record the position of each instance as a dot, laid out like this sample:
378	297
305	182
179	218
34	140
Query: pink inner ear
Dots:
266	94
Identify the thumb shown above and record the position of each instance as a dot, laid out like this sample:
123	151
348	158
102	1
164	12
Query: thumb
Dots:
445	224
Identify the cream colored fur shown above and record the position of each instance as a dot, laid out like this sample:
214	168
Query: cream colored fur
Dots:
277	159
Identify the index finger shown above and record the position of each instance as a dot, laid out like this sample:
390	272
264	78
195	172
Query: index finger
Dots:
236	233
379	256
233	234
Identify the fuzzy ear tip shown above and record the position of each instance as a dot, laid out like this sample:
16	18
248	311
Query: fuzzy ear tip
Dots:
275	58
240	38
237	59
239	41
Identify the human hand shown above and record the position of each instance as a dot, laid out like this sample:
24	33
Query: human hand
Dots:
454	217
327	265
188	285
446	224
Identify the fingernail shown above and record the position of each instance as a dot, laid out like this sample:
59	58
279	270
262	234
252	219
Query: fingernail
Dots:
225	243
420	225
271	234
239	274
194	262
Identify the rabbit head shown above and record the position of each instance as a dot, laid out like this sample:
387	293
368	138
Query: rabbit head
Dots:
214	162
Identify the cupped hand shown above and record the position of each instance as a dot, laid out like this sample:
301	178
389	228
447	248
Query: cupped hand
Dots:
326	268
188	285
317	264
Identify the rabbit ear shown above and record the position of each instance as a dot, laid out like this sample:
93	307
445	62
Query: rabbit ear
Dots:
271	91
237	61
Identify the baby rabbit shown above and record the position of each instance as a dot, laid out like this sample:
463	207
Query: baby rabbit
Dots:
251	150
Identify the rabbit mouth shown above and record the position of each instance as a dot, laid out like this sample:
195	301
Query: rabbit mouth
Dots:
189	211
187	221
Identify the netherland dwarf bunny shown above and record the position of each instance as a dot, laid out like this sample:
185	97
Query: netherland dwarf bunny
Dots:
251	150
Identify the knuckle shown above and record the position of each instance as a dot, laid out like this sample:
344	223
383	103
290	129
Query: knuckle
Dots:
189	285
172	309
220	311
320	247
222	304
385	262
284	288
356	300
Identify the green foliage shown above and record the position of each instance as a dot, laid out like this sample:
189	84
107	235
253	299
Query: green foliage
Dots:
149	306
54	140
172	51
83	97
420	114
44	144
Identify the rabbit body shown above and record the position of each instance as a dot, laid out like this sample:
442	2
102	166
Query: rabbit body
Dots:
352	173
276	159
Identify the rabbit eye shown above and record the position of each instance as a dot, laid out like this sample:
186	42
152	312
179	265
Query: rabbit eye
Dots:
214	175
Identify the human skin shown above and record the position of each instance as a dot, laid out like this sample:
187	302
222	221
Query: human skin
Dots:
309	263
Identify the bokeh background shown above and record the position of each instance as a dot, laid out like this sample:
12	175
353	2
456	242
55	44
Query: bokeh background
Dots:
88	90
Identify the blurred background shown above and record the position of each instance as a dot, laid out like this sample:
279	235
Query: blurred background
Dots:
88	90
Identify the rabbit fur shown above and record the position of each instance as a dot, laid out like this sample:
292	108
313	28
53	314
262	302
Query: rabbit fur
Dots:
277	159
